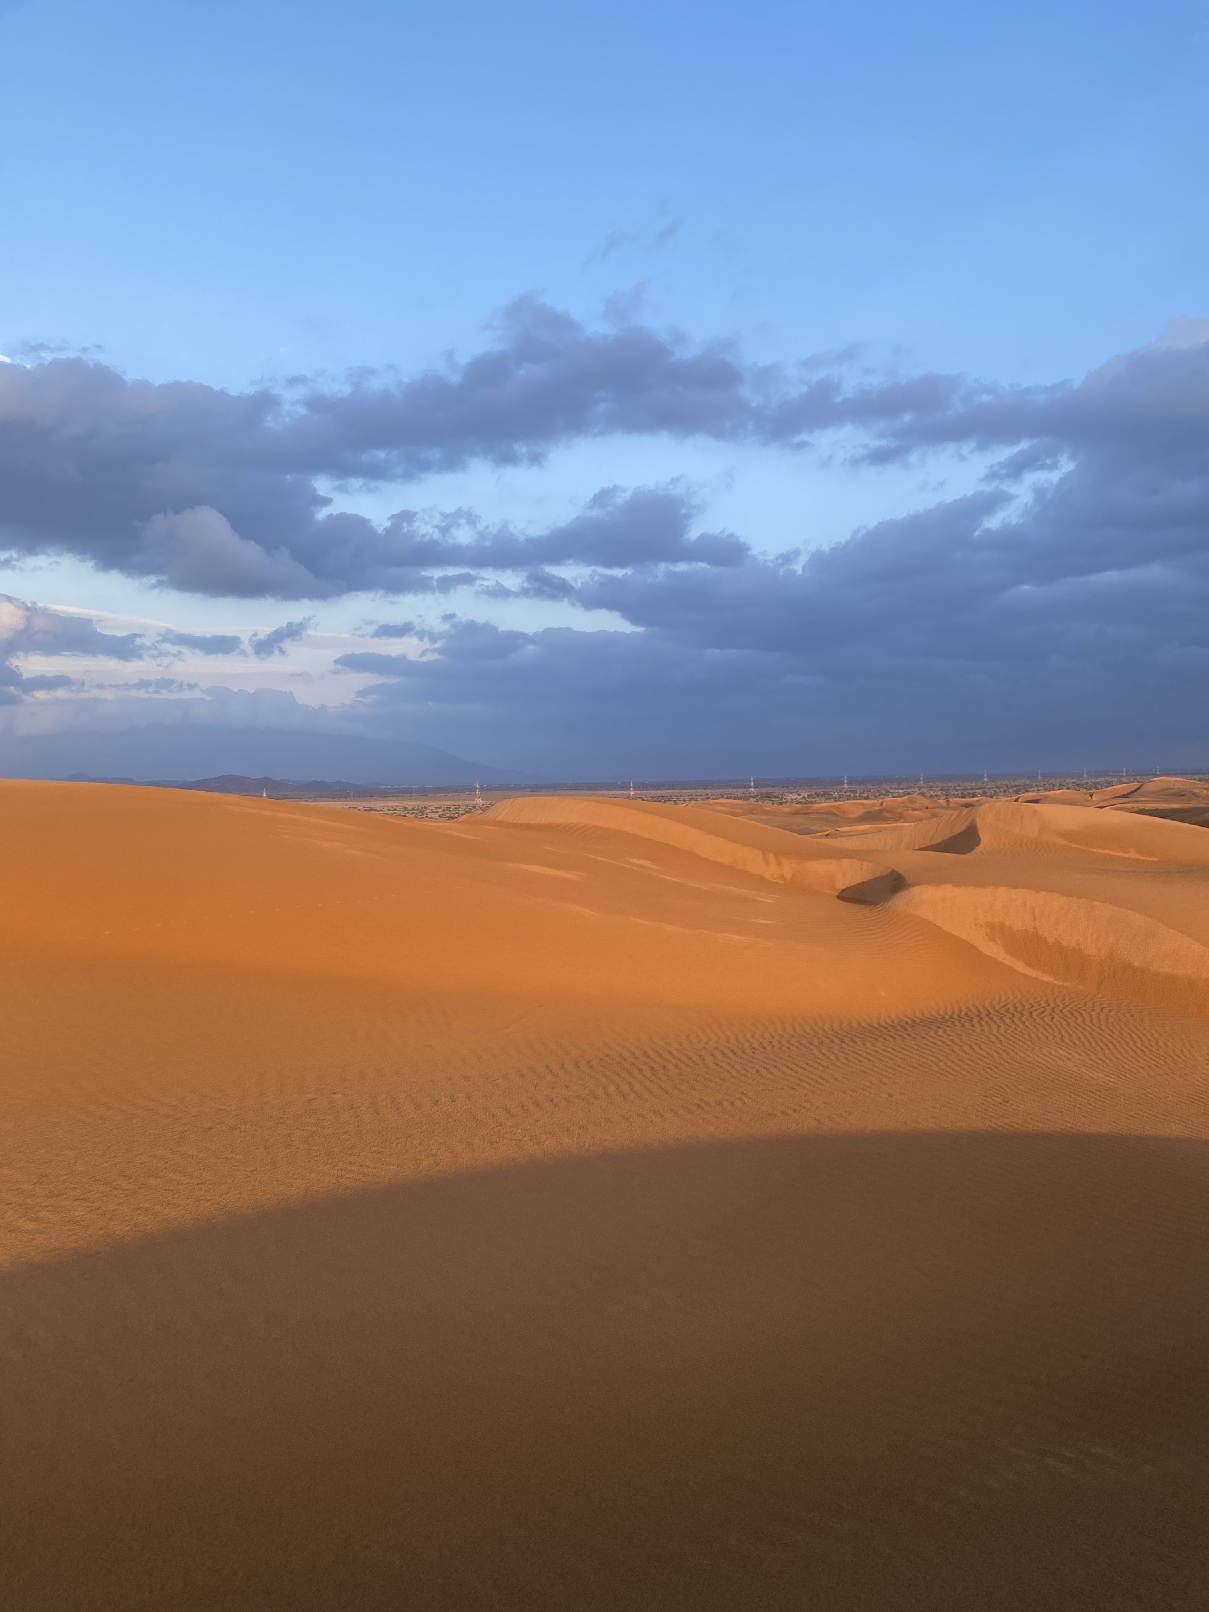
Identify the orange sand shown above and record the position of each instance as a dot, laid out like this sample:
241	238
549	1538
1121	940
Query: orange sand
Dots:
602	1204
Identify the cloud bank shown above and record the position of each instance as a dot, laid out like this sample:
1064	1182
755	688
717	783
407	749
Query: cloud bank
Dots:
218	493
1059	612
28	629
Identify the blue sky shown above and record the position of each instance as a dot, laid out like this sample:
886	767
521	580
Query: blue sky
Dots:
320	204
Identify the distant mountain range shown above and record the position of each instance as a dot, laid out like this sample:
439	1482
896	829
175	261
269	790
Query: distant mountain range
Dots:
230	783
211	757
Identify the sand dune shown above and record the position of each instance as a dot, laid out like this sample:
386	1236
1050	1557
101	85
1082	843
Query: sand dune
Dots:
1065	919
746	846
605	1204
1179	799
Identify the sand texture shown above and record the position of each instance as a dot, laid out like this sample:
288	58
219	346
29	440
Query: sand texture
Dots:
605	1204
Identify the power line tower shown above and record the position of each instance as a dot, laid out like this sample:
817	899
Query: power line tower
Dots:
478	794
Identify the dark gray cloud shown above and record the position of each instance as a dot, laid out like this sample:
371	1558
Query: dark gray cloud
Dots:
208	643
617	528
1059	613
1153	402
1068	625
217	492
265	644
410	629
1107	672
41	685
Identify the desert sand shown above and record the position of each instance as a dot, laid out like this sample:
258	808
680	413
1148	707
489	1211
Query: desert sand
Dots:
604	1204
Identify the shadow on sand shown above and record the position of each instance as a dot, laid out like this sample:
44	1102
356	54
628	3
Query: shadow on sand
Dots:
881	1371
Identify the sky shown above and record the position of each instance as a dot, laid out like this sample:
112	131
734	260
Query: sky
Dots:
601	391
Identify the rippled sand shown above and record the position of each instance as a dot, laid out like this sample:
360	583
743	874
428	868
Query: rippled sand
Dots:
595	1204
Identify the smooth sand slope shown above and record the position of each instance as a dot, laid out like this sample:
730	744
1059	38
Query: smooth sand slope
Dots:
602	1204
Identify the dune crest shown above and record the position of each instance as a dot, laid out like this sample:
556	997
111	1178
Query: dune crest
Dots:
749	847
1007	824
1110	833
937	831
1095	946
1184	800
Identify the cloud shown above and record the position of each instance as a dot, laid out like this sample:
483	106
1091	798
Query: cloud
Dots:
104	709
651	239
56	681
219	493
804	674
1183	332
617	528
431	552
394	629
212	643
158	685
198	551
620	530
1067	622
266	644
32	629
1059	612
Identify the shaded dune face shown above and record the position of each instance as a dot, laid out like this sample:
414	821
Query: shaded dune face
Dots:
1070	940
853	1372
604	1205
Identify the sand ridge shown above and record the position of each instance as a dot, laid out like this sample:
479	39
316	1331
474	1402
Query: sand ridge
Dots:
1177	799
602	1204
1095	937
